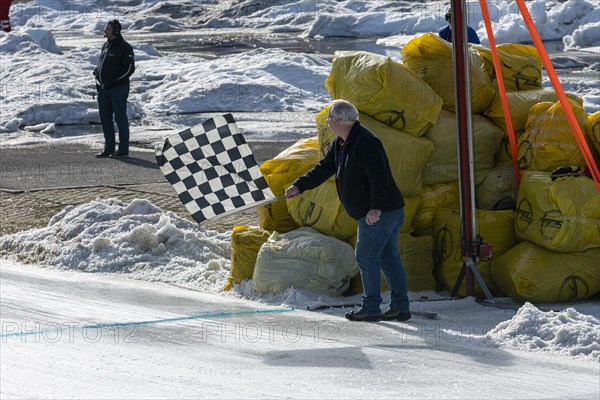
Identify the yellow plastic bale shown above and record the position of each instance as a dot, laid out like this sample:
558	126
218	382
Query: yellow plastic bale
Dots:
532	273
433	197
496	228
417	257
499	189
321	209
561	215
520	64
430	57
384	89
548	142
407	154
276	217
304	259
520	103
504	155
279	173
442	165
245	244
411	205
592	127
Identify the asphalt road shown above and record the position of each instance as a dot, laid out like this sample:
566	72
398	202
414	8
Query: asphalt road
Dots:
73	165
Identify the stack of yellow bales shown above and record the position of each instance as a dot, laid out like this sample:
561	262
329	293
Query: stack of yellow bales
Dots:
409	105
558	223
431	58
545	142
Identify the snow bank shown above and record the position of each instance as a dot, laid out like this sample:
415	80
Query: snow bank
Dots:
136	238
566	332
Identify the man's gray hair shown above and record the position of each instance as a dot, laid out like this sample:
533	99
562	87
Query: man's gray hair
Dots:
344	110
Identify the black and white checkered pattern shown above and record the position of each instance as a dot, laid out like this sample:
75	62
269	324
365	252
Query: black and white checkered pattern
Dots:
213	170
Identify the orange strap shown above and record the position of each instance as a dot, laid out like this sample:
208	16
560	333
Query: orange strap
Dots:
505	107
585	150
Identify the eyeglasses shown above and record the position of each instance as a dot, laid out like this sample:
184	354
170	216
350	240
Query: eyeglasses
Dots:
330	118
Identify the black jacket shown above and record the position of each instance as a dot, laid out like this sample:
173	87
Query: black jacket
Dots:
116	63
366	181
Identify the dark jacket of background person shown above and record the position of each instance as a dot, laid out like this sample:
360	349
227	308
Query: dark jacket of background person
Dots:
366	180
446	34
116	63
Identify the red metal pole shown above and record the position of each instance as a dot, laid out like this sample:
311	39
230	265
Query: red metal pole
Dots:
463	120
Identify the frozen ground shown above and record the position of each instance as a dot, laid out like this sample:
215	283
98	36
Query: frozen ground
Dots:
106	336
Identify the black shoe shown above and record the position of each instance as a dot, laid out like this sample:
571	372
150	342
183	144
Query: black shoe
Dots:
119	154
104	154
393	315
361	316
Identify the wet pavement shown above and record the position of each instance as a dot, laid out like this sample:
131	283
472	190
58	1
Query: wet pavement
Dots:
38	182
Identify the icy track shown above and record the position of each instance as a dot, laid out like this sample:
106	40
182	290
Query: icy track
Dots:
68	334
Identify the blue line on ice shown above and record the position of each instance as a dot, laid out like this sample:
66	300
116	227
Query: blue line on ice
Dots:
218	314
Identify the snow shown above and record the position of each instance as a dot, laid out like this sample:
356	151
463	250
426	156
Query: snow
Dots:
71	335
114	299
566	332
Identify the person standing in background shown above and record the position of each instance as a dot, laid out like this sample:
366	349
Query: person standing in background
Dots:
115	66
4	15
446	32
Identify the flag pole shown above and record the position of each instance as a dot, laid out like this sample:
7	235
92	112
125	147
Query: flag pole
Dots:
470	241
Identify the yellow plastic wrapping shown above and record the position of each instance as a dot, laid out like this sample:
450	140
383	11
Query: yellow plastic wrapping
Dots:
592	127
520	64
504	155
384	89
407	154
442	165
442	195
561	215
304	259
417	257
531	273
520	103
548	142
496	227
245	244
411	205
321	209
430	57
279	173
499	189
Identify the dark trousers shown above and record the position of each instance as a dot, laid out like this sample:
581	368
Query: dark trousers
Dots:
114	102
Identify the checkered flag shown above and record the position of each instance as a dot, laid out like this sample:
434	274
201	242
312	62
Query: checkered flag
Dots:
213	170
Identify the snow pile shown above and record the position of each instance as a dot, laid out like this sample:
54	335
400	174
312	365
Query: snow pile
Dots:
60	89
566	332
136	238
554	20
255	81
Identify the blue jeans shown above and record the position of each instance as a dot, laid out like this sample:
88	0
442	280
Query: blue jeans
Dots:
376	249
114	102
